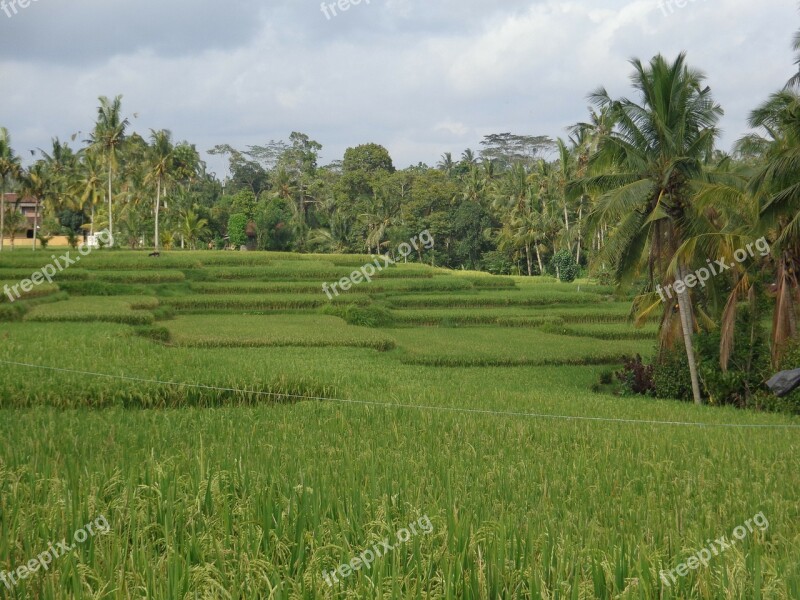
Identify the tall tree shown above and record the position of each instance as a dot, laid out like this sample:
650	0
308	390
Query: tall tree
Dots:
9	170
88	184
776	184
161	162
645	169
108	137
795	80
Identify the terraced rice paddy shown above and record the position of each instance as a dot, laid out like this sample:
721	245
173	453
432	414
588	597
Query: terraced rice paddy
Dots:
242	434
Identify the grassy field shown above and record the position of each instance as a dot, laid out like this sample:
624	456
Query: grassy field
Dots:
241	439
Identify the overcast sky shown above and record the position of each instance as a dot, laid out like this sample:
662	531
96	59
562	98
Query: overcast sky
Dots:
421	77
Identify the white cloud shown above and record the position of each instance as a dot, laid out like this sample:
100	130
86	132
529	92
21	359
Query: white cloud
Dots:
422	78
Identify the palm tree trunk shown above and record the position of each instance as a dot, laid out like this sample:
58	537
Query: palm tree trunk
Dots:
539	259
110	211
528	256
580	218
2	213
35	222
158	210
91	221
687	324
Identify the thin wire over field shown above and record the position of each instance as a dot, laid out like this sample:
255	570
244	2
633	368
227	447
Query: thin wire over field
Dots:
408	406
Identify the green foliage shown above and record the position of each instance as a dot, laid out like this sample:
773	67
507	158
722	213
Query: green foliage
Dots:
671	375
749	363
636	377
368	159
273	220
496	262
237	230
563	266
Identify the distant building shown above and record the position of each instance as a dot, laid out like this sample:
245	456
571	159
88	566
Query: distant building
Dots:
27	206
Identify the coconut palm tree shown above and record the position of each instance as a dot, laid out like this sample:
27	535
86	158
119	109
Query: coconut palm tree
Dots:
776	185
446	164
193	227
108	137
9	169
645	169
88	185
795	80
161	161
61	168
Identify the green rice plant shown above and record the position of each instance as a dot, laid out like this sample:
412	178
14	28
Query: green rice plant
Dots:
71	274
238	331
314	271
508	347
398	285
361	316
36	291
153	332
605	331
128	310
242	302
491	282
149	276
489	299
240	456
95	287
532	283
515	316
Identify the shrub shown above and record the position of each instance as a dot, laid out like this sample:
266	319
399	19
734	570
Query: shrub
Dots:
636	377
671	377
497	263
747	369
791	403
237	230
563	266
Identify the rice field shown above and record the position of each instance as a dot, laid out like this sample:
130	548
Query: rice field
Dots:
243	434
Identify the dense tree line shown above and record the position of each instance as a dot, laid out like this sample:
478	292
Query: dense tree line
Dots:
638	194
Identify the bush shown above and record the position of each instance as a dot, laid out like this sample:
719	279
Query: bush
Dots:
748	367
237	230
497	263
766	400
636	377
563	266
671	378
